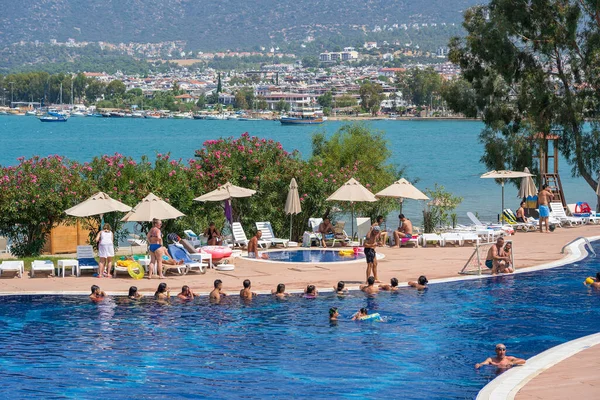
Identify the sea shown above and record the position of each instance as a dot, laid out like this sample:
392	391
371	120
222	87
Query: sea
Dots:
432	152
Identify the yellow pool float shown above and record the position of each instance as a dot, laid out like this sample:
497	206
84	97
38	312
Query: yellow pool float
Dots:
589	280
346	253
132	267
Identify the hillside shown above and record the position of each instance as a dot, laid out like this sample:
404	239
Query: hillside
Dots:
214	25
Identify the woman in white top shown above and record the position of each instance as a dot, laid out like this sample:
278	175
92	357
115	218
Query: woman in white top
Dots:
106	250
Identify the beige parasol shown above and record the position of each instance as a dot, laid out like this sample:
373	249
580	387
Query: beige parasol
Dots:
353	192
402	189
226	191
100	203
152	207
292	203
527	187
502	175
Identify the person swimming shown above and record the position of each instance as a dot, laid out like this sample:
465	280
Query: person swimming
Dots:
97	294
133	293
360	314
280	291
392	287
420	284
340	289
310	292
333	314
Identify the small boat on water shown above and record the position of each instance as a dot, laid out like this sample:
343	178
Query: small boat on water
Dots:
214	117
303	116
96	115
199	116
152	115
31	113
77	114
53	116
115	114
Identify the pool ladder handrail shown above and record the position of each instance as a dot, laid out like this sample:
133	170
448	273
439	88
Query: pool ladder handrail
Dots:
586	242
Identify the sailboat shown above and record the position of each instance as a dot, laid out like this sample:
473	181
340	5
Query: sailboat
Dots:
54	116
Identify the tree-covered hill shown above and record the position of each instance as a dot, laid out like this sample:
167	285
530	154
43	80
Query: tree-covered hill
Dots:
214	25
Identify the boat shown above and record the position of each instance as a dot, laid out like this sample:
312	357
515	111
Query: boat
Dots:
137	114
152	115
216	117
199	116
96	115
77	114
303	116
115	114
31	113
53	116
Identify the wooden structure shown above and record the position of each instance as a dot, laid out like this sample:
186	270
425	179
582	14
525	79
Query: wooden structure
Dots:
548	154
66	238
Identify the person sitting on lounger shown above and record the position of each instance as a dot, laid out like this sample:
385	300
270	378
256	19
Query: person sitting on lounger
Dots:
501	360
370	287
405	230
496	260
520	215
280	291
186	293
246	292
253	246
213	235
420	284
326	231
392	287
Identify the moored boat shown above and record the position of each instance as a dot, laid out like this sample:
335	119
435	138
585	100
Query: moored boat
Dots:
303	116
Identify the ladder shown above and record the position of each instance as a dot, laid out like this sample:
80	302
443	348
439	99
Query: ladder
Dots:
553	182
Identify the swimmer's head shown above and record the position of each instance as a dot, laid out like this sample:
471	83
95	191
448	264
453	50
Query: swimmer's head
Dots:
95	288
217	283
394	282
247	284
371	280
333	311
341	285
281	288
132	291
185	289
597	276
423	280
310	289
500	347
162	287
363	311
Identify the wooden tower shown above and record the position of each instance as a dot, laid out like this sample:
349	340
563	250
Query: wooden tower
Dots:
548	154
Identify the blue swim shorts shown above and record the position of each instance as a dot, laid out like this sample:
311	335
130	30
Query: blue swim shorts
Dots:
544	211
489	264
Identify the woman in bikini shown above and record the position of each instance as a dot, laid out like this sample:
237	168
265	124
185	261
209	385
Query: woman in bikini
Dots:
213	235
156	248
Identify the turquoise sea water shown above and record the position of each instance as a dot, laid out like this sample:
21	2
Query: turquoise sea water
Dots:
444	152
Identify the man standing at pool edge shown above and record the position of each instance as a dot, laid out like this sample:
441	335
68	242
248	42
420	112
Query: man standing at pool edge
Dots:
370	254
544	197
501	360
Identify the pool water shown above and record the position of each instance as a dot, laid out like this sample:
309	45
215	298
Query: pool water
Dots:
313	256
67	346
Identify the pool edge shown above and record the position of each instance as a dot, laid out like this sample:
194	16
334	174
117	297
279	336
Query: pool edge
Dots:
507	385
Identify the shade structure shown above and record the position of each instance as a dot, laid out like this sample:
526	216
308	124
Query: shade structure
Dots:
100	203
152	207
226	191
402	189
292	203
528	191
503	175
353	192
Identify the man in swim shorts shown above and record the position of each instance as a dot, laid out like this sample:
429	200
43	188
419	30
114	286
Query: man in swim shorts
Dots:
253	245
545	196
501	360
326	231
404	230
370	254
496	260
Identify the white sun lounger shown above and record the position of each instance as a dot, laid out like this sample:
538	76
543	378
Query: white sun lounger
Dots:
268	235
432	238
592	218
14	266
557	211
42	265
240	239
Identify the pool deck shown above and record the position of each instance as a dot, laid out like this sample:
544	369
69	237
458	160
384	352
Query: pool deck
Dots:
574	377
530	249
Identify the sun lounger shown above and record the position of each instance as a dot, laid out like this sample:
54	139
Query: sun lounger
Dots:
193	238
85	257
42	265
13	266
454	238
557	211
511	219
592	218
4	247
363	225
268	235
431	238
489	233
240	239
179	254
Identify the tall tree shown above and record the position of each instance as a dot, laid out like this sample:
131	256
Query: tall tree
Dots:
371	95
534	67
419	86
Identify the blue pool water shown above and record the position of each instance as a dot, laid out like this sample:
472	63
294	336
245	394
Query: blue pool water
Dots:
313	256
68	347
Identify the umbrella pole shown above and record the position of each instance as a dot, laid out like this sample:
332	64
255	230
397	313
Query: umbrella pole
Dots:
291	216
501	211
352	221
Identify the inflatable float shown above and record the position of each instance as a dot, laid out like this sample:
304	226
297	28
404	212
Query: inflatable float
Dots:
217	252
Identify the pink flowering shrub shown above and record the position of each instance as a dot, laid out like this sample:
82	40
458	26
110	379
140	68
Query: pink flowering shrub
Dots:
34	195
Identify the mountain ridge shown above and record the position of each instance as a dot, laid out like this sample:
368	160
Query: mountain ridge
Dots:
210	25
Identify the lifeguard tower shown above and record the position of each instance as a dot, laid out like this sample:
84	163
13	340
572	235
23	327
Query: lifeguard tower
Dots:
548	155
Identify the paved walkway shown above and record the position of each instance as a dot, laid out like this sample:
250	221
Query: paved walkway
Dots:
574	378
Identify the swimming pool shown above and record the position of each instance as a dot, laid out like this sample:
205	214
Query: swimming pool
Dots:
314	256
65	346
